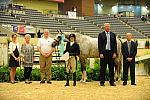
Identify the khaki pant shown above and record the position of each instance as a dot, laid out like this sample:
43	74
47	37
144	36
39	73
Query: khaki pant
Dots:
71	64
45	67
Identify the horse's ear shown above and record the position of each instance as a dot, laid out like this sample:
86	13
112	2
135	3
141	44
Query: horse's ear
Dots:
66	40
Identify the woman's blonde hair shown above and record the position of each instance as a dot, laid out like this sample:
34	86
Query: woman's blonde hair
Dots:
28	35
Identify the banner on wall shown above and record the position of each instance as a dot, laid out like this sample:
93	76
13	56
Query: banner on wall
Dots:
21	29
57	0
72	14
30	29
15	29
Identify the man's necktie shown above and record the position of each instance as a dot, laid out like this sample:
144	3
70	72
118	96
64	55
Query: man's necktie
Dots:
129	47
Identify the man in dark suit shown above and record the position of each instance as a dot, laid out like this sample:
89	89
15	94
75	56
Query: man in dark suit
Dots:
107	46
129	51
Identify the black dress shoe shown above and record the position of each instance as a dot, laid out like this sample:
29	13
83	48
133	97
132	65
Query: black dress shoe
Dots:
30	82
42	82
66	84
113	84
49	82
102	84
124	83
133	84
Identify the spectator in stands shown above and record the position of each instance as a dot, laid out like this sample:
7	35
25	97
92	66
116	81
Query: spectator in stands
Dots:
11	14
14	57
149	17
129	51
45	48
100	28
73	49
39	34
114	16
75	9
27	53
2	8
72	8
10	6
136	41
126	21
107	46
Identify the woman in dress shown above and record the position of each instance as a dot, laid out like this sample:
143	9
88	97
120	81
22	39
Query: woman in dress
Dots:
14	57
27	52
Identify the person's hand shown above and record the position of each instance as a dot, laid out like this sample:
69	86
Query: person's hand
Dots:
129	59
17	58
44	54
33	60
101	56
114	55
48	54
22	59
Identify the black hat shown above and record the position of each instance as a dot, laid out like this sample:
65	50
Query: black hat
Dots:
72	35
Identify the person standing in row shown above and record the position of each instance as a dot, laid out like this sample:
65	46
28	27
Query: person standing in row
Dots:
14	57
45	48
129	51
27	53
107	47
73	49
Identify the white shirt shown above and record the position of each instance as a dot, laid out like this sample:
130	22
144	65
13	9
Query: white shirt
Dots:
71	43
45	44
108	41
12	47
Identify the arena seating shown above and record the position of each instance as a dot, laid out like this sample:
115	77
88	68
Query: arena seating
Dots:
37	19
117	26
8	19
138	24
81	25
91	26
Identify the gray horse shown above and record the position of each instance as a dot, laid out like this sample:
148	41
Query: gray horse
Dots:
89	49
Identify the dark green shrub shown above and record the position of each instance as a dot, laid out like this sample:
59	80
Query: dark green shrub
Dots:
35	75
94	73
4	74
58	73
79	73
19	74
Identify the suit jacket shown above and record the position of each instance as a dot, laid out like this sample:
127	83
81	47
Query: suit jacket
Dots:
133	50
73	50
102	41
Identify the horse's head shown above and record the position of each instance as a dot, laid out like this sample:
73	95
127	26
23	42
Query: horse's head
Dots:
57	40
66	34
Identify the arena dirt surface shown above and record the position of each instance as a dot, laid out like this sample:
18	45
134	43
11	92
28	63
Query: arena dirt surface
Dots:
88	91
